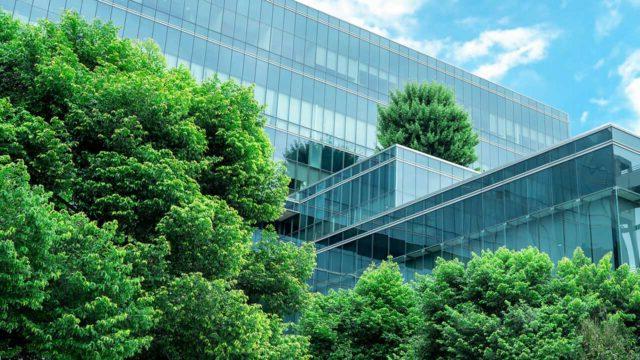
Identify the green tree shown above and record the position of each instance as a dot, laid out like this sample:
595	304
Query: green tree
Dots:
425	117
208	319
136	136
375	320
169	175
206	236
513	304
276	273
66	290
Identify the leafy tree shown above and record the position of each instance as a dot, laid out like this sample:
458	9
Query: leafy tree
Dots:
514	304
39	144
208	319
66	290
157	178
138	137
425	117
375	320
206	237
276	274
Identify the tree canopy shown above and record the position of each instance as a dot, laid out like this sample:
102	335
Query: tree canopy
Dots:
276	274
133	192
425	117
66	290
374	320
515	304
502	304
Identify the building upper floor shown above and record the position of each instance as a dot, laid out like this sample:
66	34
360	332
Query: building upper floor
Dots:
321	78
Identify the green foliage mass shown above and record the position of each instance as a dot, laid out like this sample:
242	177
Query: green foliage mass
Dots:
206	236
207	319
375	320
500	305
515	305
129	194
65	288
425	117
276	274
608	339
129	137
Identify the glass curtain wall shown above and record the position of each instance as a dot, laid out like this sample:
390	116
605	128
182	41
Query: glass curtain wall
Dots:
384	181
587	223
320	78
582	195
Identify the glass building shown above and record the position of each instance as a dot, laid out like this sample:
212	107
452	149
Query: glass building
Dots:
584	193
386	180
321	78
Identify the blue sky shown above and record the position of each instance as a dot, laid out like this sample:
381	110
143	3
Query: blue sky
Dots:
581	56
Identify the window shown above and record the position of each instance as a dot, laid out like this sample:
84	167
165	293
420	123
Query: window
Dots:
264	41
215	19
203	13
171	47
186	49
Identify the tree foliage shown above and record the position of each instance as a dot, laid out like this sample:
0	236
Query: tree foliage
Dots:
607	339
276	274
66	290
131	138
156	181
425	117
509	304
208	319
206	237
502	304
375	320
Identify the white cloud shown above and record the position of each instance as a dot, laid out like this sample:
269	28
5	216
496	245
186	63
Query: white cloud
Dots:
612	16
436	48
492	54
608	19
629	71
395	20
501	50
471	21
584	117
505	20
386	18
599	101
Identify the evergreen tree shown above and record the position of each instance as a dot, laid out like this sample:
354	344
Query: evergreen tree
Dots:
425	117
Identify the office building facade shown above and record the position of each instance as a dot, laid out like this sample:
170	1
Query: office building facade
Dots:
321	78
584	192
386	180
